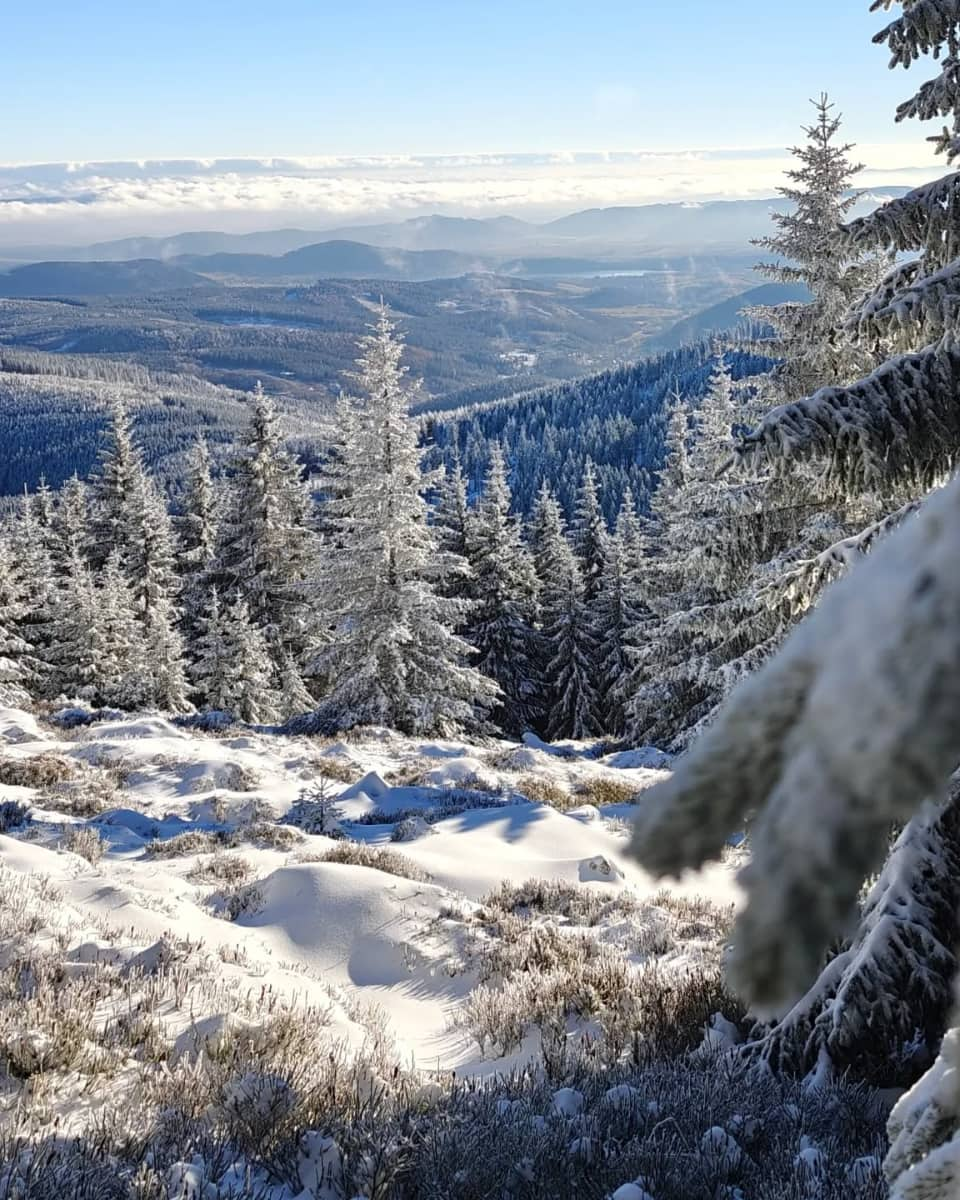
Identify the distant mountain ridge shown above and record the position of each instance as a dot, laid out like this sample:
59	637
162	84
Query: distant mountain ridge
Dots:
134	278
339	259
655	228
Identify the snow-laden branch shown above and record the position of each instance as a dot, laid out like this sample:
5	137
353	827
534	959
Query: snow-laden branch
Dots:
923	219
847	731
800	586
922	29
899	424
910	307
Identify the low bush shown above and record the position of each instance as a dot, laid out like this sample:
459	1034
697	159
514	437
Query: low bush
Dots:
579	904
231	903
38	771
221	868
603	790
337	770
85	841
359	854
192	841
450	802
89	792
541	790
203	841
268	835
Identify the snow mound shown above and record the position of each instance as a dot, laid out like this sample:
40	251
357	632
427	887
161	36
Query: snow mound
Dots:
631	1191
461	772
643	757
568	1102
370	787
351	923
554	749
18	726
524	758
587	813
410	829
140	727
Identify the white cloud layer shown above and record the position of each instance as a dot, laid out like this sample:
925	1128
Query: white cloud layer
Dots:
75	201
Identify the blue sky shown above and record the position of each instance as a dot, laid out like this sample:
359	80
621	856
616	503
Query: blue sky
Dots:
124	79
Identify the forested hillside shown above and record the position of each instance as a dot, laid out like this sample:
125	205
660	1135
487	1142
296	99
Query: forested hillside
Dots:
54	410
616	420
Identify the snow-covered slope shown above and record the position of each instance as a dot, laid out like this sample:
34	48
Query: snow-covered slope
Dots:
209	999
323	933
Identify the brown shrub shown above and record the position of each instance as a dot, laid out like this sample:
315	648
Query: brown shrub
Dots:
545	791
39	771
359	854
604	790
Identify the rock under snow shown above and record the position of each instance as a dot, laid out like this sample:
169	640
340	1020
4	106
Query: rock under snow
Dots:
599	869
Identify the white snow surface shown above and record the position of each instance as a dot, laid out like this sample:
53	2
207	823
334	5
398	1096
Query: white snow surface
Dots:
331	935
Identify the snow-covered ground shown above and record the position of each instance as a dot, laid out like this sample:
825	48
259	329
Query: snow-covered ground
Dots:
201	998
346	938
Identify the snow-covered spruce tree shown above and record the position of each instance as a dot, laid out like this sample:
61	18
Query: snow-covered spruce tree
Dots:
502	623
15	671
31	540
569	646
115	489
152	569
810	251
70	541
590	536
618	612
852	727
393	657
121	672
693	572
196	528
267	551
232	669
451	518
70	653
798	527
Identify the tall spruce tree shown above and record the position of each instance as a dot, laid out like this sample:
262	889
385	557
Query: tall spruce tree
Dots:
502	624
619	610
15	651
115	489
196	528
809	251
452	522
72	654
117	649
394	658
691	576
851	728
590	536
267	551
569	647
31	548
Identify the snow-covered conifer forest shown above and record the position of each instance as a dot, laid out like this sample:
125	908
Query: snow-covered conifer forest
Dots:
551	797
